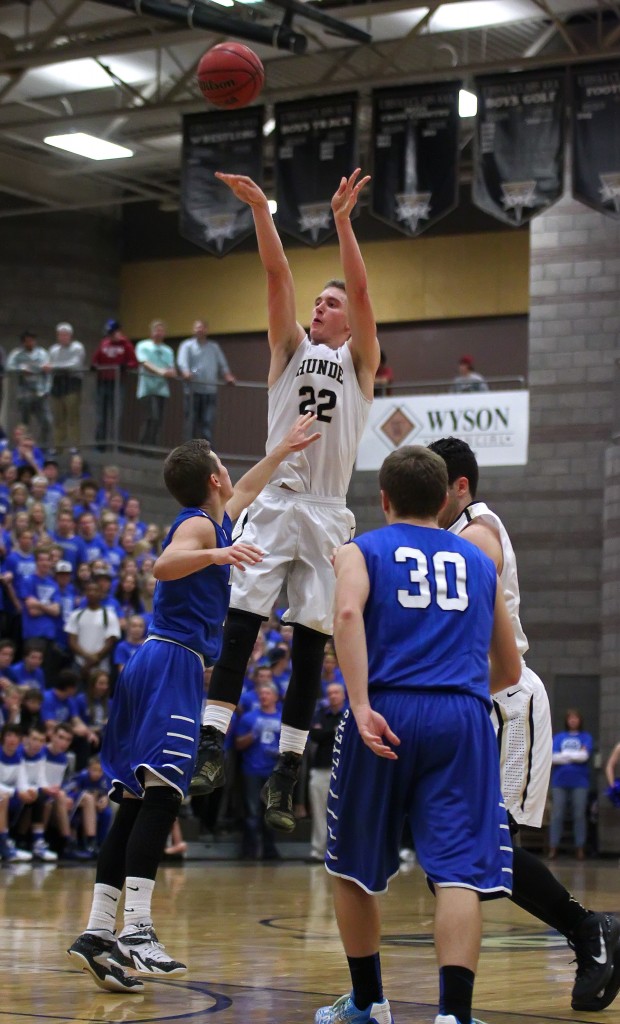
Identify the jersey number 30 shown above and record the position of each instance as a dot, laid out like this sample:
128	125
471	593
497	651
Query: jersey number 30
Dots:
419	577
310	403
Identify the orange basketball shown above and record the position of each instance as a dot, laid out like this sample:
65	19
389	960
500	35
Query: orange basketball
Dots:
230	75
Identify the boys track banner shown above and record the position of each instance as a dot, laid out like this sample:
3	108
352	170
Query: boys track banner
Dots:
415	155
595	116
210	215
315	145
494	423
519	144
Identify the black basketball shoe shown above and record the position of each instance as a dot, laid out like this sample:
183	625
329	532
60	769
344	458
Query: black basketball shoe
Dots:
90	953
209	773
597	948
277	793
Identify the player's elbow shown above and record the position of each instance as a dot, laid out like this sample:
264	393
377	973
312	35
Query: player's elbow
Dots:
345	616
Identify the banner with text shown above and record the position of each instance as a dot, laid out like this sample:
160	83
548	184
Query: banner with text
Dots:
519	144
595	122
315	144
232	141
415	155
494	423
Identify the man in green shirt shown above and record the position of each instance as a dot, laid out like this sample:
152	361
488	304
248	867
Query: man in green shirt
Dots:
156	362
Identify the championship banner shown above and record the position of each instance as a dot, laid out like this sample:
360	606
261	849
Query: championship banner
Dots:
210	215
415	155
315	145
595	122
494	423
519	144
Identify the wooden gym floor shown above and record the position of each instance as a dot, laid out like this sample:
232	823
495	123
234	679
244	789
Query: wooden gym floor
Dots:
263	948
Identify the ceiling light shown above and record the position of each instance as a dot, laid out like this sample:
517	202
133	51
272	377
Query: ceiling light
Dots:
224	3
89	146
273	206
468	104
87	74
269	126
477	13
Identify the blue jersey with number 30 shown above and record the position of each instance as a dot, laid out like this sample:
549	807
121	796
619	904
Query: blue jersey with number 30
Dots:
429	614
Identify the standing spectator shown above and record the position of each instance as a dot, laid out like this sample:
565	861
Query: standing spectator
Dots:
202	364
67	358
156	361
68	600
384	377
31	362
94	546
132	515
126	649
110	485
115	354
570	782
93	631
41	604
21	561
258	736
467	379
322	732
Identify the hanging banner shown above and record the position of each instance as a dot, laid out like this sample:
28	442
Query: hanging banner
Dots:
415	141
595	123
315	145
519	144
210	215
494	423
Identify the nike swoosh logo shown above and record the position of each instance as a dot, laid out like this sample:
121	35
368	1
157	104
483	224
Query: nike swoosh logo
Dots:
134	888
602	958
509	694
113	898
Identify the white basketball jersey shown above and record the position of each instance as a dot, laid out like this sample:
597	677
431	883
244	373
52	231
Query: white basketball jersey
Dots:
508	578
321	380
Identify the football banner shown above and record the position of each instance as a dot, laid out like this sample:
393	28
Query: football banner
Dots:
519	144
210	215
315	145
595	123
494	423
415	140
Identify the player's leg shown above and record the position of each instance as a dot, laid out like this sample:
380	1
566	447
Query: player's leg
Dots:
39	811
137	945
458	933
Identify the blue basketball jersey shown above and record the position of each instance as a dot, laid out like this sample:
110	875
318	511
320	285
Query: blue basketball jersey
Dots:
429	614
192	610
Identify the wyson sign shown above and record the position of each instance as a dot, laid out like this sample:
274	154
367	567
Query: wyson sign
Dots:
494	423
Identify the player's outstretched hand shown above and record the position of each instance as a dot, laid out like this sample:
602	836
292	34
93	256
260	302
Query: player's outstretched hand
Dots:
297	439
238	554
374	730
244	188
345	198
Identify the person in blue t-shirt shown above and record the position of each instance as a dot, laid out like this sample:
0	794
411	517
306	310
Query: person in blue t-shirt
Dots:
126	649
570	782
73	547
94	546
41	601
21	562
151	739
418	613
29	673
257	737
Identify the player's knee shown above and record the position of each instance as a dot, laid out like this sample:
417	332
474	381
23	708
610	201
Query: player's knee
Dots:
162	801
239	639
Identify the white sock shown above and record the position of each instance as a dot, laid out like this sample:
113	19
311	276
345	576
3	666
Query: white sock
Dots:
293	739
138	894
103	910
218	717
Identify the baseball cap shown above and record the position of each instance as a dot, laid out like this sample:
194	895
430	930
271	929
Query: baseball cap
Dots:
469	360
111	325
103	572
62	566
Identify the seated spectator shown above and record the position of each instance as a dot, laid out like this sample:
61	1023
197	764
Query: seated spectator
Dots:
126	649
93	631
128	598
467	379
30	711
25	451
384	377
15	793
93	706
11	707
128	540
58	768
257	737
115	504
28	674
91	814
176	847
35	816
7	655
322	733
61	705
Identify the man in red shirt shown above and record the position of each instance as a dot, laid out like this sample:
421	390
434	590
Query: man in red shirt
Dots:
113	357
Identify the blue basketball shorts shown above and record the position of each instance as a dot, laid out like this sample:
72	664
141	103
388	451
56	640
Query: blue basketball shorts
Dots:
446	781
154	719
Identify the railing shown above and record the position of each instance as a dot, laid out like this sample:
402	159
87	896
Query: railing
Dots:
110	416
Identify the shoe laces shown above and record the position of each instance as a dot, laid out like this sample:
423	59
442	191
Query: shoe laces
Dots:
154	948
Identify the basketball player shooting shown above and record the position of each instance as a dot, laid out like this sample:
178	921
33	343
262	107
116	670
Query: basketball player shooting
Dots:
302	515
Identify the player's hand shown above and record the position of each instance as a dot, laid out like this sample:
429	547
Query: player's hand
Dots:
345	198
374	730
238	554
244	188
297	439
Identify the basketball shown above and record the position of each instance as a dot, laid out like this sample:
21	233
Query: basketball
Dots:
230	75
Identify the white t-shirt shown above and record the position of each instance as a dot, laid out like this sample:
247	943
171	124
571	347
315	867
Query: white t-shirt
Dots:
92	627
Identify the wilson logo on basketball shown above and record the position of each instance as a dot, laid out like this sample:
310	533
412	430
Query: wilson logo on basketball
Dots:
209	84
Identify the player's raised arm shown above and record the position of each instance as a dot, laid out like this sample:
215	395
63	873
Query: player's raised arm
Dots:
364	343
285	333
194	547
251	483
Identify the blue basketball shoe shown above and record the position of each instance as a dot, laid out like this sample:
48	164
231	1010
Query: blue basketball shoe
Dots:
344	1011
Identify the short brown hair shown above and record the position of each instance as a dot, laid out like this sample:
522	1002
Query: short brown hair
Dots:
187	470
335	282
415	482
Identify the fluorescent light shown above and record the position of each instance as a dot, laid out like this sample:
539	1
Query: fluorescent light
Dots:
85	73
273	206
269	126
224	3
468	104
477	13
89	146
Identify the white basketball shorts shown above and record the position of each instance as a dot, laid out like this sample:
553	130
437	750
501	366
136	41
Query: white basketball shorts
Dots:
522	720
298	533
